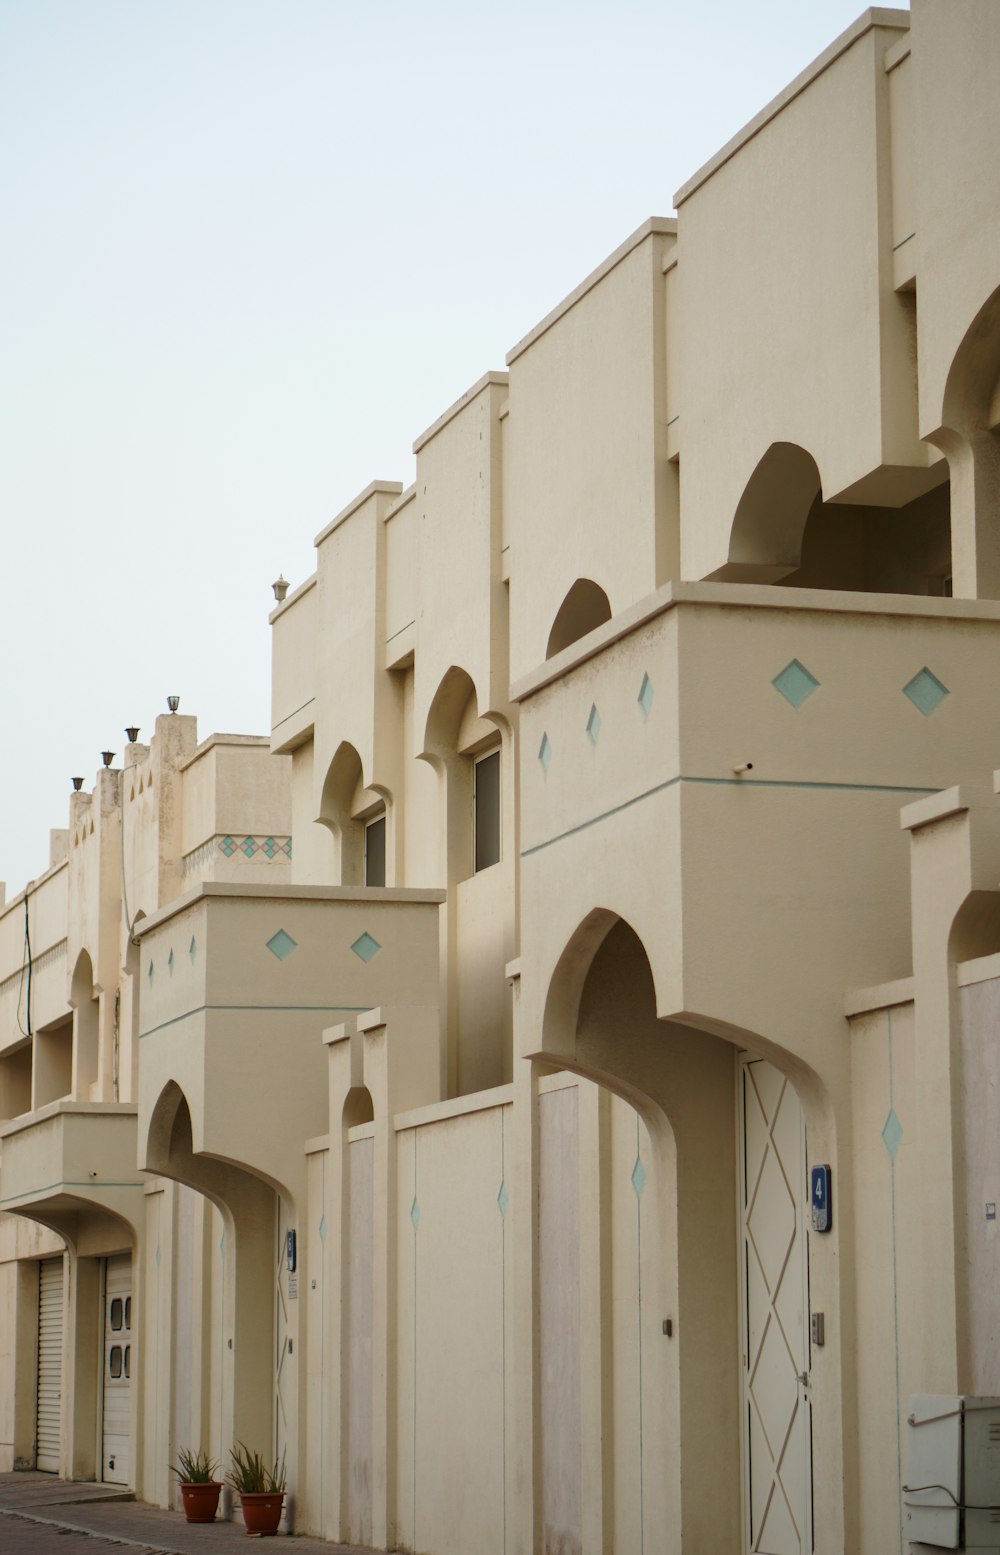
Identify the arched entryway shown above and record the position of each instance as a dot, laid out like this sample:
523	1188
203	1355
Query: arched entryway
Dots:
235	1312
718	1169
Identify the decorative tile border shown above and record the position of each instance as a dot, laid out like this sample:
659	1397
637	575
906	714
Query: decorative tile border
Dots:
232	845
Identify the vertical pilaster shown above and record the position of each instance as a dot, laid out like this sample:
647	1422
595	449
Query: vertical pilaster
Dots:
954	854
523	1467
402	1069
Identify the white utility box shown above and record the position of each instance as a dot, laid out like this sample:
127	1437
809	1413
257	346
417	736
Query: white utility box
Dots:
951	1496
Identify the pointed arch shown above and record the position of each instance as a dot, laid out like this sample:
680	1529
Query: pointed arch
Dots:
343	811
765	542
86	1027
449	706
971	400
969	438
584	608
248	1204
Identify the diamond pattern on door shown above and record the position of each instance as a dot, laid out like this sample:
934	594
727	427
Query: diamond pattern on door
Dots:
776	1411
282	1361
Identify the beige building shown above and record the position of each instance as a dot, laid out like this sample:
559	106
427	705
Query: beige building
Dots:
553	1098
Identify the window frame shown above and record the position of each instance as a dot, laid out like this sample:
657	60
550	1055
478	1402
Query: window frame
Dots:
375	820
478	761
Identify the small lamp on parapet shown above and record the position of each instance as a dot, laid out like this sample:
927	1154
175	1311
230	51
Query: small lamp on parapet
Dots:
131	734
107	757
77	784
280	587
173	703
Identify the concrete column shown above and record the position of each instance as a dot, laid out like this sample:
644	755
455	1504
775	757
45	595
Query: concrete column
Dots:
974	464
82	1363
403	1069
25	1359
954	854
596	1399
523	1477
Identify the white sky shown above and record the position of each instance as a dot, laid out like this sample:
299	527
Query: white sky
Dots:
249	250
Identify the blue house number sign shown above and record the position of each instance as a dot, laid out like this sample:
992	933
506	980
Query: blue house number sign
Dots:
819	1197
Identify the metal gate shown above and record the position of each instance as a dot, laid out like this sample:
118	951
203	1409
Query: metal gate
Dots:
777	1424
117	1369
48	1395
285	1283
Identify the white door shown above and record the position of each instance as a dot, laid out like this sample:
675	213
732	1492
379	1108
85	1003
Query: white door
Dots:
118	1332
777	1427
285	1283
48	1406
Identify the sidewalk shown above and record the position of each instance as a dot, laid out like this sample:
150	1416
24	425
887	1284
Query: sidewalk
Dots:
111	1514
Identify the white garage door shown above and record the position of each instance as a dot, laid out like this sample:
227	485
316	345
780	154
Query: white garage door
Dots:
50	1349
117	1368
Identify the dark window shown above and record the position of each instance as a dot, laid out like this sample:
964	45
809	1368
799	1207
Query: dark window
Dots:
486	803
116	1313
128	1360
375	852
128	1315
115	1360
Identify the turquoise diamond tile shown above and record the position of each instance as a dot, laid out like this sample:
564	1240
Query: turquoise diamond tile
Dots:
170	961
645	697
322	1229
415	1214
926	692
366	946
222	1245
228	846
149	974
593	724
192	948
282	944
159	1257
270	847
795	683
638	1177
503	1199
286	847
545	752
892	1133
248	846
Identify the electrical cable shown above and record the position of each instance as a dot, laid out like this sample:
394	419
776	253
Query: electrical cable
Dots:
25	963
957	1505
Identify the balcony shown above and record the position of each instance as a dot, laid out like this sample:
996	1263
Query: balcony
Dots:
72	1166
724	767
238	983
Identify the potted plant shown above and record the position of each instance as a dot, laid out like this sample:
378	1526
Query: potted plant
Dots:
261	1489
200	1489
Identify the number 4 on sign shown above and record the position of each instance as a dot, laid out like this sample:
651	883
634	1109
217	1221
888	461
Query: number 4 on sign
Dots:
819	1198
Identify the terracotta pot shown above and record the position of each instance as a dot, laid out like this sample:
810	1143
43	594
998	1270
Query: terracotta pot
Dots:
201	1502
262	1511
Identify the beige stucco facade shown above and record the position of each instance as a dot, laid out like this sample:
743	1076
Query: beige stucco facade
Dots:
453	1064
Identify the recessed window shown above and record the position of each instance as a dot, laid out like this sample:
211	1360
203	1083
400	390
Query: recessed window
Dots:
128	1313
375	852
115	1361
128	1360
116	1313
486	806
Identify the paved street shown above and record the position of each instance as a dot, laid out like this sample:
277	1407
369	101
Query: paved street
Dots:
41	1515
